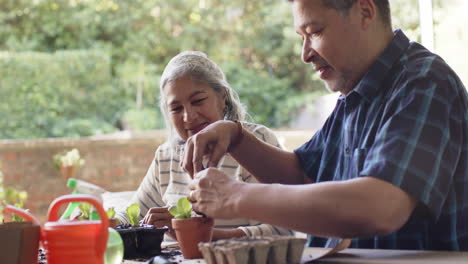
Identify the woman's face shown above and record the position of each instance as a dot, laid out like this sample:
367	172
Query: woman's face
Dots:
192	106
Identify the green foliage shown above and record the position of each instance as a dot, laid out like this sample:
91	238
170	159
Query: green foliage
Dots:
81	127
11	196
60	94
85	209
182	210
1	195
67	93
262	93
142	119
133	213
140	36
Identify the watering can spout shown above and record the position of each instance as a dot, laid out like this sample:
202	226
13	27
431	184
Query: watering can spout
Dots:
27	216
22	213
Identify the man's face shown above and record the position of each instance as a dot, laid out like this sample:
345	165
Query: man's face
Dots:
332	43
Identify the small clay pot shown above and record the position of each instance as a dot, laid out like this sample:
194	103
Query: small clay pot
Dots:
113	222
68	171
192	231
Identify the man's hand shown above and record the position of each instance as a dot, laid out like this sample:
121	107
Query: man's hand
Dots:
214	194
212	142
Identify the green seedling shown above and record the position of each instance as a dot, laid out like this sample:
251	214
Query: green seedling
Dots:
85	209
110	213
182	210
133	213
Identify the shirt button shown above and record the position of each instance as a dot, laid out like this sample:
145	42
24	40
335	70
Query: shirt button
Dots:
347	150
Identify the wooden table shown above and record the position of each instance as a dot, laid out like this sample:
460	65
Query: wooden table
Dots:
368	256
381	256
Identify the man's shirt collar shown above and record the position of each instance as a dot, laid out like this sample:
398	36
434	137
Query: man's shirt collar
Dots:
372	82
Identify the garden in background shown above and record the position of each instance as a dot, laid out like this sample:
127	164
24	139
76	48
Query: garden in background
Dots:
74	68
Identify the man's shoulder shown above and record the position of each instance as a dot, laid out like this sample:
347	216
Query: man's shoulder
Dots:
418	62
419	70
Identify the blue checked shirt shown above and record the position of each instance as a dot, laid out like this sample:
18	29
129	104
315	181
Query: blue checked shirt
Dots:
405	123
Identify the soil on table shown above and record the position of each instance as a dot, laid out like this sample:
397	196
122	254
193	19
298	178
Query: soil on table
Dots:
173	254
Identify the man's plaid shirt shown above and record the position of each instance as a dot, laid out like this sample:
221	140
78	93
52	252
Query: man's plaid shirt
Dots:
406	123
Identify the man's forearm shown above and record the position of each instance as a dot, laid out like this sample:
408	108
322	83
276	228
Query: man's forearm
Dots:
268	163
360	207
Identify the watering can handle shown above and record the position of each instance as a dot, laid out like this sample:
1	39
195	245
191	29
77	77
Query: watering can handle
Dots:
54	216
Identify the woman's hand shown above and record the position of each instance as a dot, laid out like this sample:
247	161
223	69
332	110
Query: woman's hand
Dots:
214	194
211	142
158	216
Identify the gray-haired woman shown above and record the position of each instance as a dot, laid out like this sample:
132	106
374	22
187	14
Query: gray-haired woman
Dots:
193	94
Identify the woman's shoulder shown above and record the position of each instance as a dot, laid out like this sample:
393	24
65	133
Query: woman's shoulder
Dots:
252	127
169	147
165	146
260	131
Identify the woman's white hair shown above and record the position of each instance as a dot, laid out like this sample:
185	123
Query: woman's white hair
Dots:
201	69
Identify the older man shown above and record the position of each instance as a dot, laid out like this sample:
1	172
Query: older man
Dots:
389	167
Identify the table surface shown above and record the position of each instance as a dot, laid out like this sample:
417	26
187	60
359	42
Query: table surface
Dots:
363	256
381	256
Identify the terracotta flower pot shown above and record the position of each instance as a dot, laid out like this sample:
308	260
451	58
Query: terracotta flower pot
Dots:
68	172
19	242
113	222
190	232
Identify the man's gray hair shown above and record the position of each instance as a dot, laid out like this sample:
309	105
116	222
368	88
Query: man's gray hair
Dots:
200	69
343	6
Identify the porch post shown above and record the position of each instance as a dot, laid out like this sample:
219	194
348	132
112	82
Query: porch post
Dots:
426	24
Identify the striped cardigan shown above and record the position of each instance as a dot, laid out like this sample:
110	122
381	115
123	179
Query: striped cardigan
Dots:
165	182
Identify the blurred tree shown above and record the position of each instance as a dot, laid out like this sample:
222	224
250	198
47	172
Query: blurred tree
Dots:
254	37
142	35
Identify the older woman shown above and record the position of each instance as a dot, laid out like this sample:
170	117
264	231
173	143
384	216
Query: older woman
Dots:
193	94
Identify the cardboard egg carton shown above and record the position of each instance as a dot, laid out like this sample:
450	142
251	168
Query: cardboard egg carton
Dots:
250	250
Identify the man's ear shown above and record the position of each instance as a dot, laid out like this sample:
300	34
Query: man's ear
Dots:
368	11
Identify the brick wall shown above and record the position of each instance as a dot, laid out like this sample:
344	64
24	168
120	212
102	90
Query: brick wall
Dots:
116	162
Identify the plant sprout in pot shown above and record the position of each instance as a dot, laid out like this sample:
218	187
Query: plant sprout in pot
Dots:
140	241
68	162
190	230
86	212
